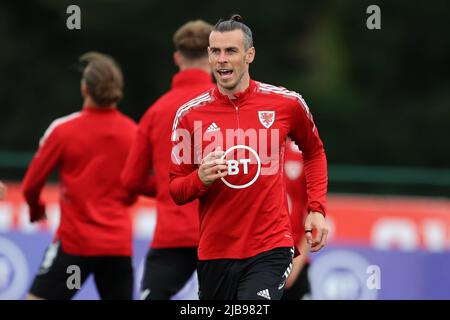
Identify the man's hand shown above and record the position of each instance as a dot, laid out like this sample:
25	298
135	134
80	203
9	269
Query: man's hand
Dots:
213	167
2	191
316	221
37	213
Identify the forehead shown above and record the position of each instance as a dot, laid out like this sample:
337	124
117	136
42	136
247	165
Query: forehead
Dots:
226	39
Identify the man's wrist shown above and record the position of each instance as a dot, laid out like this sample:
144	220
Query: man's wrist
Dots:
318	212
199	183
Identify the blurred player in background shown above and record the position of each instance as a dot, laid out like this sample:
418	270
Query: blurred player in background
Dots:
2	191
172	257
297	285
246	244
90	148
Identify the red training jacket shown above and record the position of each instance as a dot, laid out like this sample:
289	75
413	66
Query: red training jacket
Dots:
90	148
246	212
176	226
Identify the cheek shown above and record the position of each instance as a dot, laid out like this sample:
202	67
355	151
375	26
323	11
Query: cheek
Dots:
241	66
238	62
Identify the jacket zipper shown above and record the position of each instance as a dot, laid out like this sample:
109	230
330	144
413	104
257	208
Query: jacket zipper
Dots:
237	116
236	108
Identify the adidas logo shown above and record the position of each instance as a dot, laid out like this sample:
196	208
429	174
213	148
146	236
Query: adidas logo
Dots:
264	293
213	127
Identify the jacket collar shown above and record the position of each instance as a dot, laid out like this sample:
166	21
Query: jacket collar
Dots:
239	97
188	77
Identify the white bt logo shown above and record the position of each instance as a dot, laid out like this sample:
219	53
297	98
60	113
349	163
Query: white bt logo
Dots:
235	167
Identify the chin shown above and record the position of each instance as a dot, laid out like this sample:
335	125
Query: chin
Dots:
228	86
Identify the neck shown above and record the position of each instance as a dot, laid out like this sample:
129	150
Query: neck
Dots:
202	64
90	103
241	86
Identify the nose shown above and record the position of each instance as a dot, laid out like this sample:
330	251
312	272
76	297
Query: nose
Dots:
222	58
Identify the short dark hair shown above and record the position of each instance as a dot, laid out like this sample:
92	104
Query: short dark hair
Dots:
236	23
192	39
103	78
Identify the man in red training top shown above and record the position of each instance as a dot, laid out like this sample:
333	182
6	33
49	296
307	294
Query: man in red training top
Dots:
172	257
297	285
227	151
89	148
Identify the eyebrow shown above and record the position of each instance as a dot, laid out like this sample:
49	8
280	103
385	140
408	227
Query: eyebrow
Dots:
227	48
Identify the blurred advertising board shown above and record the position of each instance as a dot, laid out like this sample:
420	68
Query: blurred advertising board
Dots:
379	247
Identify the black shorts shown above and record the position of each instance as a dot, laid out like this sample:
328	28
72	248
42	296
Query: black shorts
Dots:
167	271
58	273
261	277
301	288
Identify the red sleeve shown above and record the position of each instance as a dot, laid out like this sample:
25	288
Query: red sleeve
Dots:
136	176
304	133
44	161
185	184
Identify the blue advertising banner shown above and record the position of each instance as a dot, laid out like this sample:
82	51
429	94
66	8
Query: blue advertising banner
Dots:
21	255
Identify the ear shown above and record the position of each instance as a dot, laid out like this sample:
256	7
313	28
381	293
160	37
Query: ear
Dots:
84	89
250	55
176	58
209	55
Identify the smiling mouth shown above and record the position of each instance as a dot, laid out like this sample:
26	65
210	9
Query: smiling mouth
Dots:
225	73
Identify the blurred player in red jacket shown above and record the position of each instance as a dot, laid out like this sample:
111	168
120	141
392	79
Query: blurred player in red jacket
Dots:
297	285
172	257
90	148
